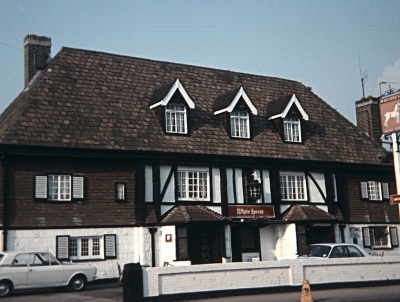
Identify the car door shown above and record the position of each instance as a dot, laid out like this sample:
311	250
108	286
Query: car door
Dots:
43	272
18	271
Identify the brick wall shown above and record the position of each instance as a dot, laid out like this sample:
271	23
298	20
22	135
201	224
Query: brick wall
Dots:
368	117
261	274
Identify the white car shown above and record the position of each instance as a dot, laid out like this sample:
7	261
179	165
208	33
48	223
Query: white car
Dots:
333	250
38	269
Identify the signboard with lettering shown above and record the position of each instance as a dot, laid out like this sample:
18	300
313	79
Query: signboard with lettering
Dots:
389	107
395	199
251	211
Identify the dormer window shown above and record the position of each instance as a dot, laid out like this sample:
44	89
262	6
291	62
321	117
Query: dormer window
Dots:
171	104
286	115
175	118
291	128
234	108
240	124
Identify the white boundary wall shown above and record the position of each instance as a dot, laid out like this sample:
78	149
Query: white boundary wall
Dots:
262	274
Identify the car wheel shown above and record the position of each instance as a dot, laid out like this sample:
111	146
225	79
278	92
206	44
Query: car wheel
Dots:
77	283
5	288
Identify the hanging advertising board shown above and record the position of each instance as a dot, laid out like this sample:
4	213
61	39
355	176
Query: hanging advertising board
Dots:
389	107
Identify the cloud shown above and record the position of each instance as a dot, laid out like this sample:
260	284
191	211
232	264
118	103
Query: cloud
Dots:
390	75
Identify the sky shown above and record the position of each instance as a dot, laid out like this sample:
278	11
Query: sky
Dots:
327	45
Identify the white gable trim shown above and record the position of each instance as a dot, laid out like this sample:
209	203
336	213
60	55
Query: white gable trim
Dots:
292	101
243	94
177	86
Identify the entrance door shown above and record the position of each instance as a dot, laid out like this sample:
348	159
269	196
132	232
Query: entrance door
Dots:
204	244
245	240
320	234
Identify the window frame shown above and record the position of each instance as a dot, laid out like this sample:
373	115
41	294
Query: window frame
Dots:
54	192
86	243
236	120
290	125
169	112
288	188
369	189
187	185
107	247
117	198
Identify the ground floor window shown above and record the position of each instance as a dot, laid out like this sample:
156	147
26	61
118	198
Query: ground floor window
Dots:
86	247
380	237
181	243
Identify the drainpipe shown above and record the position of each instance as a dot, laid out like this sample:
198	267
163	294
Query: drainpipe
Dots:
153	246
5	201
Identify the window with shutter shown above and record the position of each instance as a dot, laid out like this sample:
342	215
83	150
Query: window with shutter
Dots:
62	188
86	247
380	237
374	190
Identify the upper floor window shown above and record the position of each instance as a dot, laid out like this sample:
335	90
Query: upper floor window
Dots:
193	184
176	119
59	187
240	124
374	190
120	191
291	127
293	186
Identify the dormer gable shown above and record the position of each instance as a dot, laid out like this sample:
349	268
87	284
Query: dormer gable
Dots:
176	86
234	110
286	115
281	108
226	103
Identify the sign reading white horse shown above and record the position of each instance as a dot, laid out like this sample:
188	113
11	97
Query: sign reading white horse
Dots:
390	113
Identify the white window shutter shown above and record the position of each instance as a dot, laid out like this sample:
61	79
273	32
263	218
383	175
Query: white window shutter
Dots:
394	239
364	190
40	186
366	237
77	185
110	248
62	248
385	190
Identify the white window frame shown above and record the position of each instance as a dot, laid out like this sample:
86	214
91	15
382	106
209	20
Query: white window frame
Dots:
240	124
120	188
375	190
293	186
201	187
79	245
59	187
176	118
292	129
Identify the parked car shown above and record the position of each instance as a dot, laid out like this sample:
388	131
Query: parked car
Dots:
38	269
333	250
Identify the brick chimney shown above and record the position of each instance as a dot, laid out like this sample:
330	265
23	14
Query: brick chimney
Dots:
37	55
368	117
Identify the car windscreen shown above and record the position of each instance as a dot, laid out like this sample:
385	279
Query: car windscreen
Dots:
316	251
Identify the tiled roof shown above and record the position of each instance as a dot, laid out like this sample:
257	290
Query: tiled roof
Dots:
186	214
93	100
307	212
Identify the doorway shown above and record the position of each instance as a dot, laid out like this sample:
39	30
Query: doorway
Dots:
204	244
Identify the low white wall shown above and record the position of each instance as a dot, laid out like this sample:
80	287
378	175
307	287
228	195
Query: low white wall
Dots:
261	274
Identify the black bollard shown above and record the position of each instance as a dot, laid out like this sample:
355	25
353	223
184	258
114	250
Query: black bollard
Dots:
133	283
